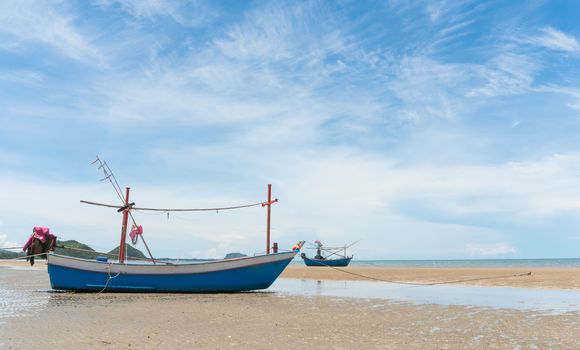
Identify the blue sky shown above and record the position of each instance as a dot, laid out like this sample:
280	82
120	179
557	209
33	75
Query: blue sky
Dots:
427	129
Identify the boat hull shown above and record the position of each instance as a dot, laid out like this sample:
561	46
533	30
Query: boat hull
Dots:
328	262
231	275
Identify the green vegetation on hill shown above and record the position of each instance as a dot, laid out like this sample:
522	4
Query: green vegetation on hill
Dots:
234	255
131	252
86	252
90	254
6	254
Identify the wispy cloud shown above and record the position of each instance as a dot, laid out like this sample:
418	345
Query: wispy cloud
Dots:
426	88
4	243
299	33
554	39
428	122
506	74
570	92
21	77
45	23
184	12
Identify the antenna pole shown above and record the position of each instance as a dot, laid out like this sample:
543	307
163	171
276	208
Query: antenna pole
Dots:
268	204
124	227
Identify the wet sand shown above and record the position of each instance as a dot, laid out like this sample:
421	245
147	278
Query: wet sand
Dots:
548	278
21	263
265	321
261	320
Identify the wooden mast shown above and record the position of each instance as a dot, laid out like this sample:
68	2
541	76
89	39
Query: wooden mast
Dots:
268	204
126	208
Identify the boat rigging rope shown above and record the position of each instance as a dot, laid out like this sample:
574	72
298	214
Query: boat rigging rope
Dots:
199	209
89	251
113	255
128	207
174	209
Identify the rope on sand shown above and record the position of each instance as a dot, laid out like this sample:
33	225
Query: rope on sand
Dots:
427	283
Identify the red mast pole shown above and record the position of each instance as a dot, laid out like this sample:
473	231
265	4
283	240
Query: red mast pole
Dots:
124	227
269	204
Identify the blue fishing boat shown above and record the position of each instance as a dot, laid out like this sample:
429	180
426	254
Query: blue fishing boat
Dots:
121	275
328	256
327	262
228	275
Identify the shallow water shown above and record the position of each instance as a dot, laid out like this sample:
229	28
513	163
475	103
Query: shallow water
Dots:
542	300
24	292
19	293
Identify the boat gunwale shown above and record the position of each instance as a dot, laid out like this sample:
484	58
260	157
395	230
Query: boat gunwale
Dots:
122	268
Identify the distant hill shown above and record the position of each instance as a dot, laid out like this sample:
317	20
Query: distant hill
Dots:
90	254
131	252
234	255
6	254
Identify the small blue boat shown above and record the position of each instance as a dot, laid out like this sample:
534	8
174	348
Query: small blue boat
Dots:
327	262
228	275
324	254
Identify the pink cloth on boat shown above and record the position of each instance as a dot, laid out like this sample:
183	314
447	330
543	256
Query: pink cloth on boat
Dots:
137	230
28	243
40	233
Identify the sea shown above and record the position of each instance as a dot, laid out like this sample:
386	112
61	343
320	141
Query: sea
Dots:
566	262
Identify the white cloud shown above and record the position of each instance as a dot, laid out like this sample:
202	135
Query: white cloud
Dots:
339	181
517	190
426	88
299	34
184	12
21	77
556	40
506	74
490	250
5	243
279	92
573	93
336	196
44	22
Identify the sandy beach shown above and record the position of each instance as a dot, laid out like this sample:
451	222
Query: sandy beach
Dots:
549	278
266	320
541	277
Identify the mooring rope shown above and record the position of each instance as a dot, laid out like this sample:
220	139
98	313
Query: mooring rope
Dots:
427	283
321	262
109	277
